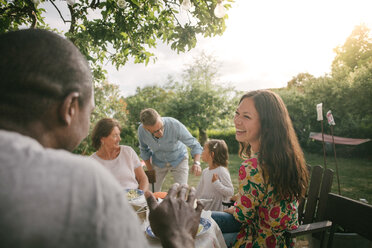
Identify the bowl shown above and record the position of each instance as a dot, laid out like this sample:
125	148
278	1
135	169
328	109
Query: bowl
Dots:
133	194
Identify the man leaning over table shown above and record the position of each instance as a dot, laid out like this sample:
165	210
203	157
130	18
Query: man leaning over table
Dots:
162	142
50	197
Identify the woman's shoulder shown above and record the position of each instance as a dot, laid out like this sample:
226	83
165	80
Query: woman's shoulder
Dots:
251	163
127	149
251	169
222	169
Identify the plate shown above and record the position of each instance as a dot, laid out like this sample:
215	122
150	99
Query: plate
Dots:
204	225
133	194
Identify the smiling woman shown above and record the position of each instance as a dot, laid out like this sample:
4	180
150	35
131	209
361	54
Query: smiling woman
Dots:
122	161
272	178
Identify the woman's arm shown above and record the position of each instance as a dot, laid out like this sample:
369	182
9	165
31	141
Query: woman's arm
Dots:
142	179
251	189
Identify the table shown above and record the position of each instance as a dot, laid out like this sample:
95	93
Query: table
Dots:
211	238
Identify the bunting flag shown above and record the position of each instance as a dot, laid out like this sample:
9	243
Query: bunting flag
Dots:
330	119
319	111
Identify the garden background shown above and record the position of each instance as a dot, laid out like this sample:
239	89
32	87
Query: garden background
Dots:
205	107
207	110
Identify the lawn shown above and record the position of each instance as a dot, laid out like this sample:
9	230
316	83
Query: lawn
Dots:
355	175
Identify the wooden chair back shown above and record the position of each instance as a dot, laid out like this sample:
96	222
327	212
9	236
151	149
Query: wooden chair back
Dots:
312	208
152	178
352	215
323	194
311	200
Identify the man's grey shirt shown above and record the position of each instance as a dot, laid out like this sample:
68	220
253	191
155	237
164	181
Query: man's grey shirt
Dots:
52	198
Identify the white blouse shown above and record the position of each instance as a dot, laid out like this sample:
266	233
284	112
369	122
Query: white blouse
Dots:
219	191
123	166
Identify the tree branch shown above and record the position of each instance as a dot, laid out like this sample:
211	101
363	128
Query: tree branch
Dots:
59	12
73	19
170	8
31	13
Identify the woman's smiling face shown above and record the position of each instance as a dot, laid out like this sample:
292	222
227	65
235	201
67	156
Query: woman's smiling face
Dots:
113	140
247	124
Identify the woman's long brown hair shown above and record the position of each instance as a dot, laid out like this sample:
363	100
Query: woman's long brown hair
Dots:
280	154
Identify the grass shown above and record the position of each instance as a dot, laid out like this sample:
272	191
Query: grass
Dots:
355	175
355	178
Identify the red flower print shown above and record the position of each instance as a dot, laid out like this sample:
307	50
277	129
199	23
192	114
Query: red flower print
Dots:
241	234
246	201
284	221
254	192
249	245
254	162
242	173
264	214
271	241
274	213
269	200
264	224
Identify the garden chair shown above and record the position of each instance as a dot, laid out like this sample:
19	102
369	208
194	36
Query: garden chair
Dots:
353	216
311	210
152	179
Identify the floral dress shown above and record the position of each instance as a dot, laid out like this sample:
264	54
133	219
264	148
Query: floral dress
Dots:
263	219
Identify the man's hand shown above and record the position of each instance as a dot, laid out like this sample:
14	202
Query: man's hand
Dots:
196	170
174	220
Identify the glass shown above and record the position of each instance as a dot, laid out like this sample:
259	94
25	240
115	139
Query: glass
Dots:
157	131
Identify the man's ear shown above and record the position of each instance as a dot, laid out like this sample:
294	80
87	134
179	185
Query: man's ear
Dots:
69	107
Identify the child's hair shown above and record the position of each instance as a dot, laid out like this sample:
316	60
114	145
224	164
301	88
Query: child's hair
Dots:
220	150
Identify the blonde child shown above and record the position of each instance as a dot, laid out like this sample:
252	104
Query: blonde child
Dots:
215	185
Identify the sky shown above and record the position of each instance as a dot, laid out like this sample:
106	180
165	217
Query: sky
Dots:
265	45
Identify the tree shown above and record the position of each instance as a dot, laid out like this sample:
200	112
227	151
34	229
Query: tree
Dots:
154	97
107	104
300	80
123	29
113	31
200	103
356	51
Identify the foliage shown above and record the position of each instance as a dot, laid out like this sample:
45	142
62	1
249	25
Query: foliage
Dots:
295	103
228	135
107	104
18	13
356	51
299	81
109	31
347	93
200	103
154	96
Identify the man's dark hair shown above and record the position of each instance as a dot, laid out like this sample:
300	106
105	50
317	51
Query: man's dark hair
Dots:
39	68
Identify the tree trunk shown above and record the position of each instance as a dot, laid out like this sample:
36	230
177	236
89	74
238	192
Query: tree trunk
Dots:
202	136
